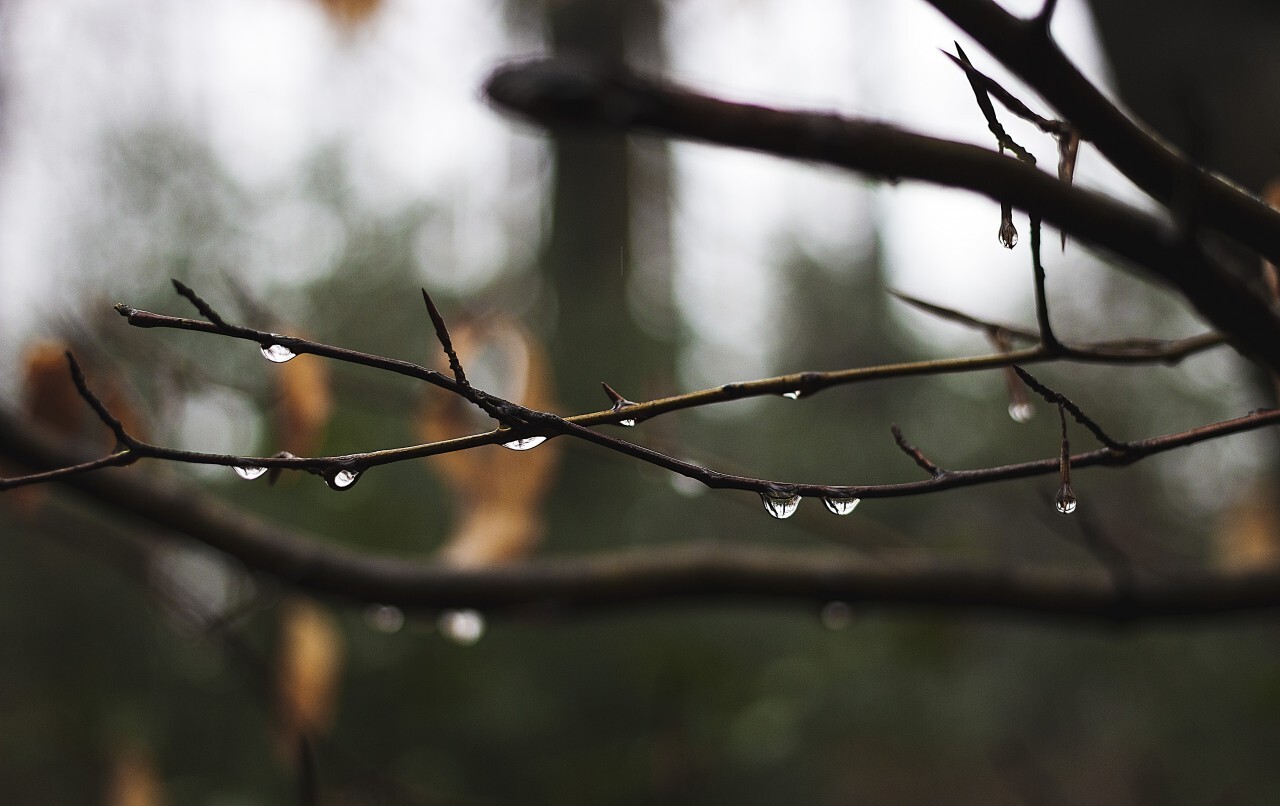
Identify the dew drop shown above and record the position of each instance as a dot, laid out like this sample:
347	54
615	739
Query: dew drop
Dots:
1021	412
524	444
249	473
794	394
276	353
841	504
836	615
1008	234
780	505
620	404
627	423
463	627
1065	502
343	479
384	618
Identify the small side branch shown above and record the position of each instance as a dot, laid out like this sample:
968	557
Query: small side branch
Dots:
1076	413
916	454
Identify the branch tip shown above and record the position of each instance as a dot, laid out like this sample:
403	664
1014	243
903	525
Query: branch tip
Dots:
206	310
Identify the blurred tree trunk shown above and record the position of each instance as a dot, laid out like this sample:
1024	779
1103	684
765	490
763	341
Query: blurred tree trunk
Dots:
606	191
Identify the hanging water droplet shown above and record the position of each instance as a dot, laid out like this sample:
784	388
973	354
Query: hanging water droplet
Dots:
384	618
524	444
780	504
276	353
343	479
1008	234
841	504
1065	501
249	473
463	627
836	615
620	404
794	394
1021	412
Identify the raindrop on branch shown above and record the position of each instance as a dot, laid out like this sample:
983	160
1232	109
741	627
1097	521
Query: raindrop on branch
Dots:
1021	412
342	480
1065	501
384	618
249	473
627	423
841	504
780	504
836	615
276	353
462	627
525	444
794	394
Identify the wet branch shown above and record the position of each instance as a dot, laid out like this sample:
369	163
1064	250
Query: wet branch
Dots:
559	93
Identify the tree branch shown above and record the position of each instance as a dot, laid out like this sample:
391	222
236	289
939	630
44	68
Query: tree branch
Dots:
1158	168
560	92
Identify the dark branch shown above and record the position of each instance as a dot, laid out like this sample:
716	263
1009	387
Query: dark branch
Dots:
916	454
1079	416
558	93
1150	163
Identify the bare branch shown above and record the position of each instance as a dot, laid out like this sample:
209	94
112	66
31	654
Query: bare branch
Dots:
558	92
1149	162
916	454
1079	416
206	310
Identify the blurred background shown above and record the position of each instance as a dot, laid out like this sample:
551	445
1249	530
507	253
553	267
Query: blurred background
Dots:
307	165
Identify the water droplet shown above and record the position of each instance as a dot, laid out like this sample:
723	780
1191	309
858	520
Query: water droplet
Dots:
620	404
384	618
841	504
836	615
249	473
463	627
1021	412
276	353
1008	234
780	504
524	444
343	479
1065	502
794	394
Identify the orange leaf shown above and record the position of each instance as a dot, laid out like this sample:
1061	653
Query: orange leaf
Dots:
309	670
498	492
304	404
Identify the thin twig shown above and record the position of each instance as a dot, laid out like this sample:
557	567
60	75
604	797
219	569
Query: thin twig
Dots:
442	333
988	111
563	93
99	408
206	310
1079	416
916	454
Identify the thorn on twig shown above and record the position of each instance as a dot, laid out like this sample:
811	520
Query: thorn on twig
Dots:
619	403
1079	416
206	310
99	408
1065	500
915	453
442	333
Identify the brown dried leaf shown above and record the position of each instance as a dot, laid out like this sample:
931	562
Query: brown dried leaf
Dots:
351	13
309	670
498	492
1248	536
133	779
